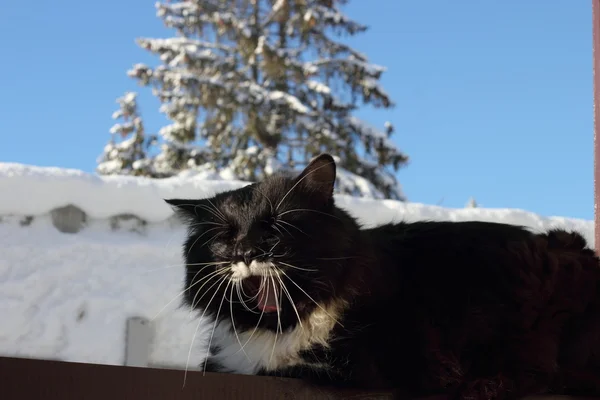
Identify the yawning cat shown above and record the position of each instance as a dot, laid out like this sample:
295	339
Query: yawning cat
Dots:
473	309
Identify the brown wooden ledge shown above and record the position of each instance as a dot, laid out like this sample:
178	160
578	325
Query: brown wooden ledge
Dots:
49	380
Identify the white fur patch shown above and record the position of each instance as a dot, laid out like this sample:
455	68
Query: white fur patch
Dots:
241	270
264	349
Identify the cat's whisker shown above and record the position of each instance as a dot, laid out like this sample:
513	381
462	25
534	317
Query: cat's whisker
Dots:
185	290
275	245
264	253
213	210
191	205
284	254
217	211
206	223
298	268
289	296
277	229
308	210
245	294
181	265
223	279
260	288
233	319
201	279
216	321
255	328
207	263
295	227
216	235
278	318
206	280
307	295
283	227
266	197
252	298
203	207
278	301
198	238
194	302
238	285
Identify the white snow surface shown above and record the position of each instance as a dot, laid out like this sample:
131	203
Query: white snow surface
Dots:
32	190
67	296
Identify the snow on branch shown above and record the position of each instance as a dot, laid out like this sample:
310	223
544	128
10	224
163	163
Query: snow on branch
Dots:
259	86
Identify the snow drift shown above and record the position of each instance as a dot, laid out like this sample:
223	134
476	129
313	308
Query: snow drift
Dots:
67	296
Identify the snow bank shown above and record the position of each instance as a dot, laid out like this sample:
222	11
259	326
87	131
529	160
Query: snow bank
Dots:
34	191
31	190
67	296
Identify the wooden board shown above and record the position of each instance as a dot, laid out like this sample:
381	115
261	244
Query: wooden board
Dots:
53	380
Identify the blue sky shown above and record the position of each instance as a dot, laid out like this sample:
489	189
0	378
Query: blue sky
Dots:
493	98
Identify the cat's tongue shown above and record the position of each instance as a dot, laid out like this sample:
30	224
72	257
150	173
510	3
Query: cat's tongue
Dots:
267	300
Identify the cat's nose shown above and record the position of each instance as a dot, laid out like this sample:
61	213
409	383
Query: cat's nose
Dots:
249	256
243	253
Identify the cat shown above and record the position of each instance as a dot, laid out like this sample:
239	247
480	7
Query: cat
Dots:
471	310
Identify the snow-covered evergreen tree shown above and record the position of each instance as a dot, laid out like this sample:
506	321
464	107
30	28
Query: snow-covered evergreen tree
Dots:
125	154
258	86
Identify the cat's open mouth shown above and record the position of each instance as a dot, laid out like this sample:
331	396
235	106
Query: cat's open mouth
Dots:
265	292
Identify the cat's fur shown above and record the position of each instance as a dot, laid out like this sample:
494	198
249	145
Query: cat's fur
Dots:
473	309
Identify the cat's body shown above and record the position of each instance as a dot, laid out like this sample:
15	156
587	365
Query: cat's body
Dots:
476	310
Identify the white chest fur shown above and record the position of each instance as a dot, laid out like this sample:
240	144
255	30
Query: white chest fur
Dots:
249	352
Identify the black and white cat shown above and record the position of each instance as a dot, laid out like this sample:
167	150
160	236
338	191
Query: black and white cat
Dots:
471	309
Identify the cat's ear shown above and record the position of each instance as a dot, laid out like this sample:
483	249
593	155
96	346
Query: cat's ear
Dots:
185	209
319	175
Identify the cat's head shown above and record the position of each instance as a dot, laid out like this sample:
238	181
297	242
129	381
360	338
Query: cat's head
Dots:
268	253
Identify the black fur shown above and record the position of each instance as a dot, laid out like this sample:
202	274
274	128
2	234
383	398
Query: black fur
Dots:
475	310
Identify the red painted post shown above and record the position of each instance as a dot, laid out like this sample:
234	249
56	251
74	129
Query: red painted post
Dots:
596	69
